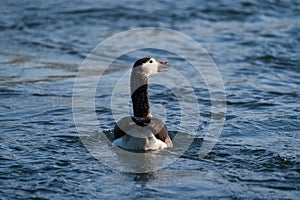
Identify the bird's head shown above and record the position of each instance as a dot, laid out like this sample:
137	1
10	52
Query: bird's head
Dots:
149	66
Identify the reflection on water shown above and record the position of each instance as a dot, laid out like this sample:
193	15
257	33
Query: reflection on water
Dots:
254	44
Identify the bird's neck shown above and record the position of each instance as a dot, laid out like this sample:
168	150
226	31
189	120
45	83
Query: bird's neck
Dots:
139	94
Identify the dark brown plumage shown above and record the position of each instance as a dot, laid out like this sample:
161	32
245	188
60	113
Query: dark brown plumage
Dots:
139	94
157	127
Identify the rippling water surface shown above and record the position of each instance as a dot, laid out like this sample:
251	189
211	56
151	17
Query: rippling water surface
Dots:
255	45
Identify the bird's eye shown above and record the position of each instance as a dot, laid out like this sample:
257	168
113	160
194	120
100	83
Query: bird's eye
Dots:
150	61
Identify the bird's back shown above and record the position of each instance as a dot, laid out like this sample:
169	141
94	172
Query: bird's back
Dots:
141	134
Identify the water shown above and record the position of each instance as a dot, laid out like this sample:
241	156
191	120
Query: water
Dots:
254	44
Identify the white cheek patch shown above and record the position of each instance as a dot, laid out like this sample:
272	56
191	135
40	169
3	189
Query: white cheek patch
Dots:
149	69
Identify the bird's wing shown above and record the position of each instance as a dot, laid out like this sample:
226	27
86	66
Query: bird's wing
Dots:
161	131
122	126
157	126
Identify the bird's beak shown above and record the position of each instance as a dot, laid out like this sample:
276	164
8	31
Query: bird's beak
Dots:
162	64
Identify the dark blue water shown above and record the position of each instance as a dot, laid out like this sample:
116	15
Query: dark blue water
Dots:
255	45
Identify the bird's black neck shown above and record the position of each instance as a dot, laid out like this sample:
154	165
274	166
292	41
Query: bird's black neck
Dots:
139	94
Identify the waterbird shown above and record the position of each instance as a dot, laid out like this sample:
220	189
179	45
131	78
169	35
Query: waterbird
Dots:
141	131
